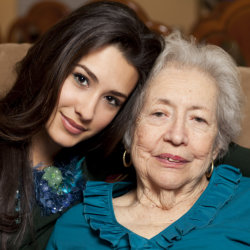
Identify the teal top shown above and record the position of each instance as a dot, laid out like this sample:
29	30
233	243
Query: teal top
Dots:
220	219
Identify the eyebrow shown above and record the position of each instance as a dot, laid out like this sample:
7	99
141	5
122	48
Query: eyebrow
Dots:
167	102
163	101
89	72
118	94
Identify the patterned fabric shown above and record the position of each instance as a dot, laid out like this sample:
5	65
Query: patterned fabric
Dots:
59	187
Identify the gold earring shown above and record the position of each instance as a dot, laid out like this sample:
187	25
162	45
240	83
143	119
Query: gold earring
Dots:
211	170
125	164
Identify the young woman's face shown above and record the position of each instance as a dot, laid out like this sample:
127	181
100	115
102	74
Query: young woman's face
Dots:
91	96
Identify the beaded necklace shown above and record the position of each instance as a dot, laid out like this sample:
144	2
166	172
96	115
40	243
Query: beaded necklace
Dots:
56	188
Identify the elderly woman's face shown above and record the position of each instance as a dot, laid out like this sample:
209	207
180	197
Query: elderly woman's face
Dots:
175	133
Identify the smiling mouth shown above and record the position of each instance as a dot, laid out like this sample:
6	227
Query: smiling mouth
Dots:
71	126
172	159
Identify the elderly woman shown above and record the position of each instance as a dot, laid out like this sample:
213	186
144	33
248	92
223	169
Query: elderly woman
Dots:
186	116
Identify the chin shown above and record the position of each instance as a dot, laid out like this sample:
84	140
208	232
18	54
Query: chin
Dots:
168	185
66	142
167	182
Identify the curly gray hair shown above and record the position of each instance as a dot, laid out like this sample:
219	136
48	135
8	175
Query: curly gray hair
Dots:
216	63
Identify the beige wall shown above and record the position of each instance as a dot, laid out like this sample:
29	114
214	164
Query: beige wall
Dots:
8	10
181	14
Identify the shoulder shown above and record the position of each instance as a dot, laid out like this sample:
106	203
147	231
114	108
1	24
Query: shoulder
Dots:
245	181
69	229
73	216
80	223
244	187
232	176
239	202
228	182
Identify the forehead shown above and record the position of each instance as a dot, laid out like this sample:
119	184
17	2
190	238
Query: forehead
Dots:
102	51
182	83
186	88
108	67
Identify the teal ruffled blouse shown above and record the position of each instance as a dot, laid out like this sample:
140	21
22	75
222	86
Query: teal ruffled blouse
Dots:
220	219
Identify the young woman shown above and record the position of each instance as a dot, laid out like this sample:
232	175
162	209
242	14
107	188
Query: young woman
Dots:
82	75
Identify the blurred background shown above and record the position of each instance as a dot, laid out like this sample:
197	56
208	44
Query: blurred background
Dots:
222	22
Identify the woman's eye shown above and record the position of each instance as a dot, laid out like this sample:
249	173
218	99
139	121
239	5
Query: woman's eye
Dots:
158	114
113	101
81	79
199	119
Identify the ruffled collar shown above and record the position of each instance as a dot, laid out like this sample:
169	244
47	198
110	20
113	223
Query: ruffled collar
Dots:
57	188
98	211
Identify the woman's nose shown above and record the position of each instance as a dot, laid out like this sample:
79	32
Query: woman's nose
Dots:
86	108
176	132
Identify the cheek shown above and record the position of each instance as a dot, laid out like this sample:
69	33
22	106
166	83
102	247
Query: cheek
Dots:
203	146
142	138
53	118
103	118
142	146
66	96
104	121
147	134
63	100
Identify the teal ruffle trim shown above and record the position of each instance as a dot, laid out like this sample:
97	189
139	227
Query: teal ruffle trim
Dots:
98	211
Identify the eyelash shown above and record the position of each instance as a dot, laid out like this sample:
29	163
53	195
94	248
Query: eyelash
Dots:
197	119
114	101
200	120
80	79
158	114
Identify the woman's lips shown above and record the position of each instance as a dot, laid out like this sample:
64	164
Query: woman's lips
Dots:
172	160
71	126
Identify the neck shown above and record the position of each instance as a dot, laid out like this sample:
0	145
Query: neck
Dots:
43	149
183	198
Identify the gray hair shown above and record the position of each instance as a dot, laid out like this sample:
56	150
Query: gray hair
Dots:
216	63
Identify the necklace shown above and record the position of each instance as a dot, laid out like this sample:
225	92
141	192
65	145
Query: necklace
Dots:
57	187
53	176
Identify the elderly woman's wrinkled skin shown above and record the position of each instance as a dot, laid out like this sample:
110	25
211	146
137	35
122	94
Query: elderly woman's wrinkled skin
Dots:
174	138
173	147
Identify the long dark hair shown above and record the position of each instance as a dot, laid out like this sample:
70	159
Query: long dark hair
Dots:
28	106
